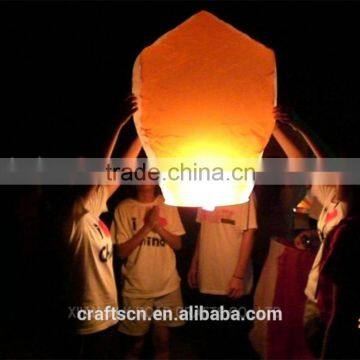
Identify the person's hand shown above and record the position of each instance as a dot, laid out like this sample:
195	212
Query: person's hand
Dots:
127	109
236	288
160	225
157	227
192	276
282	116
306	239
152	217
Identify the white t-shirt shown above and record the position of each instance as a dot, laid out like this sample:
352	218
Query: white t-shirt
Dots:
89	255
332	213
150	270
221	233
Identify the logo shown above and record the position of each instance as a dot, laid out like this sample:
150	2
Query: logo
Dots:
331	215
104	228
105	253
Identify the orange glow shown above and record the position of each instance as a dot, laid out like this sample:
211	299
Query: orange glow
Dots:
205	91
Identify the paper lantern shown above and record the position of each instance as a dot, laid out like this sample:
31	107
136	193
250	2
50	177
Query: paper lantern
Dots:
206	93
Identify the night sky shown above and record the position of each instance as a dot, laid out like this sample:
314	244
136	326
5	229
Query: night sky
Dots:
64	69
66	66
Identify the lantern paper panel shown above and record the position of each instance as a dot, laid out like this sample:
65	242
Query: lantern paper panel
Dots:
206	93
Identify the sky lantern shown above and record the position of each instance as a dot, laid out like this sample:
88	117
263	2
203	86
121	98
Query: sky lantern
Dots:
206	93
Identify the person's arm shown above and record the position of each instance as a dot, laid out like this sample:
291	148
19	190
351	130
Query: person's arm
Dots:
192	276
174	241
133	150
284	140
290	148
126	248
129	246
237	283
131	153
129	107
315	148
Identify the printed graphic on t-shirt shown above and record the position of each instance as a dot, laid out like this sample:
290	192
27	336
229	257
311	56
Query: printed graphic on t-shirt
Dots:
152	239
150	270
331	215
106	251
104	228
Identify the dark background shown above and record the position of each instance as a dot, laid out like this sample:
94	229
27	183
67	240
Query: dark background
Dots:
64	68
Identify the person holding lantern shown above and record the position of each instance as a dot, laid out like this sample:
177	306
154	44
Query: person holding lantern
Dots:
221	266
88	259
334	210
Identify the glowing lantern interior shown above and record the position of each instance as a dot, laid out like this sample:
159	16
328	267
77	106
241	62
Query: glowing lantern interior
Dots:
206	94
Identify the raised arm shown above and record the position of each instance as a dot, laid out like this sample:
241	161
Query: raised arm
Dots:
315	148
130	155
281	136
290	148
129	107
